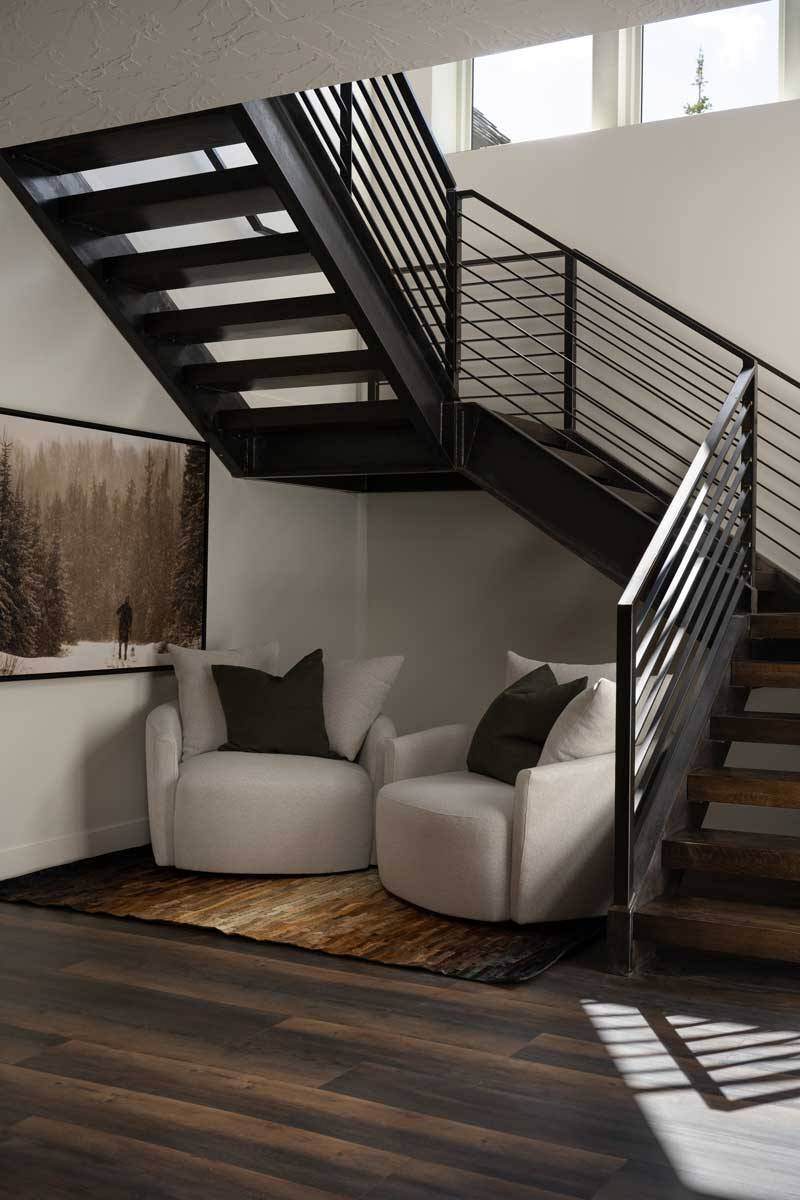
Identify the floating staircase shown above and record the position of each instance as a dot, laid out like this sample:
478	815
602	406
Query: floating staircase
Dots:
306	281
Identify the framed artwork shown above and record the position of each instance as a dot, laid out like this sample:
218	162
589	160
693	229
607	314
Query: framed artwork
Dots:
103	547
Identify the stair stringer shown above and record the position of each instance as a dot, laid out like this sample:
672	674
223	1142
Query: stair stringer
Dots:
324	212
568	505
36	185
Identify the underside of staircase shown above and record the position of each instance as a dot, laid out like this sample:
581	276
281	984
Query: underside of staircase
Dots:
475	355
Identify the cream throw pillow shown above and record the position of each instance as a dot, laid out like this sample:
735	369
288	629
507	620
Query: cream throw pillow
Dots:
202	718
586	726
353	694
517	666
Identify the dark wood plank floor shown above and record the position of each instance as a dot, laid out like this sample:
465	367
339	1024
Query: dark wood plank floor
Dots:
151	1062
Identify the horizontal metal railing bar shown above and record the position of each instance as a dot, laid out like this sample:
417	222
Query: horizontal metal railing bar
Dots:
519	256
595	426
685	606
437	235
579	310
628	285
323	95
579	391
615	366
706	532
324	134
618	306
419	129
702	665
438	203
693	512
438	289
392	262
687	642
596	379
650	629
389	254
498	357
705	452
713	616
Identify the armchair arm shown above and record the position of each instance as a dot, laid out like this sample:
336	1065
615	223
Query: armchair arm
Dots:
373	752
562	840
429	752
164	746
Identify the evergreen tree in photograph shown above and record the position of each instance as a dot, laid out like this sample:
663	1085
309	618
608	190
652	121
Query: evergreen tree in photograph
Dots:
54	630
187	588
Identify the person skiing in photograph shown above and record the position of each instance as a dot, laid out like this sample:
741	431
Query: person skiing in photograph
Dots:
125	618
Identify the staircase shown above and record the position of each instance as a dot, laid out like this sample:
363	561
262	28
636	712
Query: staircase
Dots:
720	885
308	284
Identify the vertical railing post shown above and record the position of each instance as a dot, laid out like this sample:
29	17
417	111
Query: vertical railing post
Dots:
346	135
453	283
570	306
625	755
750	429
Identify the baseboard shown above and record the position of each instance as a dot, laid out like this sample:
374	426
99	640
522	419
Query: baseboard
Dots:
21	860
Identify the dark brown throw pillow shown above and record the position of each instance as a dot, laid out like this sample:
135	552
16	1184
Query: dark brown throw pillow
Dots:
514	727
273	714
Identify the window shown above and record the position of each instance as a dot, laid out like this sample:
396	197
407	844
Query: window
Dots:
715	60
538	92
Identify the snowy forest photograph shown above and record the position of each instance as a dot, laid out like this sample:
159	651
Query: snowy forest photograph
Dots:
102	547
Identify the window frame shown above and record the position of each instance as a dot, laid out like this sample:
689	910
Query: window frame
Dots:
617	80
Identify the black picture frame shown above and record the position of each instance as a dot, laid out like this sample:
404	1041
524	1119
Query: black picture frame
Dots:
123	431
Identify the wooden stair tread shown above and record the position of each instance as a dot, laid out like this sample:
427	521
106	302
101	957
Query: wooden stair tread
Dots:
744	785
188	199
720	926
135	143
255	319
233	261
294	370
739	913
755	673
757	855
776	728
775	625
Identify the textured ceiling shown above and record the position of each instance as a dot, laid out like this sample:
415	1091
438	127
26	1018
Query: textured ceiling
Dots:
71	65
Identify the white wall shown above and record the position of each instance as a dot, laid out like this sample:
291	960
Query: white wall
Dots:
284	563
701	211
455	580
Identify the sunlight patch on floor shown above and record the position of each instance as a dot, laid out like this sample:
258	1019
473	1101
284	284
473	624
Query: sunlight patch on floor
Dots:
717	1095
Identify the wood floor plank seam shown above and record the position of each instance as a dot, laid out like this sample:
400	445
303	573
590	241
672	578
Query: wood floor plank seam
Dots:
360	1123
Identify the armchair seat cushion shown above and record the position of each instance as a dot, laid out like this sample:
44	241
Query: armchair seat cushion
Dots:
272	814
444	843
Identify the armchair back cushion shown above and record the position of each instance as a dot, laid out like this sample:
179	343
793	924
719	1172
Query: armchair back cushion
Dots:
512	731
353	695
274	714
202	717
585	728
517	666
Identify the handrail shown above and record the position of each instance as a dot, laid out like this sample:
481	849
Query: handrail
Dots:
676	610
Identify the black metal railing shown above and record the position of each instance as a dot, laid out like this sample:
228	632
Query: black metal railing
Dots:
379	142
676	610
